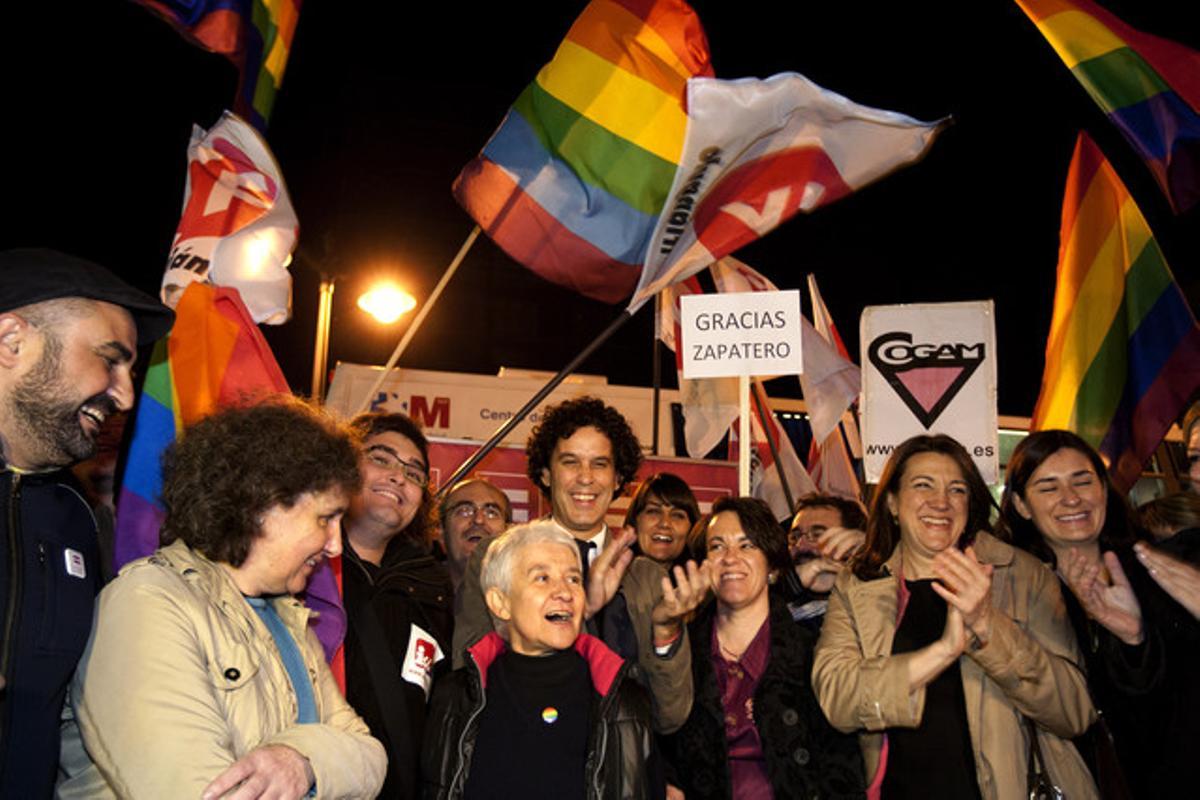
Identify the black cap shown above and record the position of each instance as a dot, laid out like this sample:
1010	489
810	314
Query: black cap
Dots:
34	275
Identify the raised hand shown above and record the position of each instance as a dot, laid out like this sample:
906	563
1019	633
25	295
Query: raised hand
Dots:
679	599
835	546
966	586
1177	578
272	772
1112	605
604	576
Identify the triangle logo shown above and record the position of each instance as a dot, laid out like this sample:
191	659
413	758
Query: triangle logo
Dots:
926	377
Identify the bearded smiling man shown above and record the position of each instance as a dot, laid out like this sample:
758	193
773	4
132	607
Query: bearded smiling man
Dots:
69	330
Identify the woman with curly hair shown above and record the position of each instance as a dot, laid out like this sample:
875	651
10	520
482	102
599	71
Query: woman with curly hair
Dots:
202	674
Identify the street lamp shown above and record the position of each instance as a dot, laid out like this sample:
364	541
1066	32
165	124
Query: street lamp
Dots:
384	301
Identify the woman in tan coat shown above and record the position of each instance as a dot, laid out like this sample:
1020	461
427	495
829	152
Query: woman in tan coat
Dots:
941	641
202	677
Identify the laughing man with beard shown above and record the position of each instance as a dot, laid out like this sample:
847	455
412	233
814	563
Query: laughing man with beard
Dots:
69	330
397	596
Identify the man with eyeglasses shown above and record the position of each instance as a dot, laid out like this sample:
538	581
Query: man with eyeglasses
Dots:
826	531
397	595
473	510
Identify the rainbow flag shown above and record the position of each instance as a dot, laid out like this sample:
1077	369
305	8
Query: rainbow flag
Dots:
572	182
256	35
1123	355
1149	87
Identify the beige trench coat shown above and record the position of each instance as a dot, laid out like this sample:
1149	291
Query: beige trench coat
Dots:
181	678
1030	666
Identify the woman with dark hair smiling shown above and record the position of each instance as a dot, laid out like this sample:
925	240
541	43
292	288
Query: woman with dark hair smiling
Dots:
1139	646
662	512
947	649
755	729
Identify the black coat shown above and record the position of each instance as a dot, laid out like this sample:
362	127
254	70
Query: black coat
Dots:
49	577
805	757
408	588
1148	694
620	756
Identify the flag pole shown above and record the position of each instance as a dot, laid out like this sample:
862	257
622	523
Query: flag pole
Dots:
420	318
536	400
744	434
656	366
762	418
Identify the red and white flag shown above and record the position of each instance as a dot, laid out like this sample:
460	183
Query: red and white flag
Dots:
831	384
758	151
767	467
238	228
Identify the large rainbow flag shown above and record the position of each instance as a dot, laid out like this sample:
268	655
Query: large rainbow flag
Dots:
572	182
214	356
1123	355
1149	87
256	35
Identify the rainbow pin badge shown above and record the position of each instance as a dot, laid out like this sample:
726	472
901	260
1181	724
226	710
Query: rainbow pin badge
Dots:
549	715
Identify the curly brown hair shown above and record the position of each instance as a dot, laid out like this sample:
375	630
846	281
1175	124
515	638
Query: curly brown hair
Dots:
561	421
230	467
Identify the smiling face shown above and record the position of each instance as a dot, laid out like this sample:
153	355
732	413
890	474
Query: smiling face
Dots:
474	511
1065	499
662	530
808	525
79	374
581	477
740	568
544	604
291	543
932	504
389	498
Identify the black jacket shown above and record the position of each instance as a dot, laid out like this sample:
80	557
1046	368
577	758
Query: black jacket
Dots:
1148	694
620	756
408	588
49	577
805	757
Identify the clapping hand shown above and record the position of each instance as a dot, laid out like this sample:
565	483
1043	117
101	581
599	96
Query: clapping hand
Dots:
1177	578
966	586
605	573
1114	606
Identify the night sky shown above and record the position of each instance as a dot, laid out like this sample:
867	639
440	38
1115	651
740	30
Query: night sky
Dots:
383	103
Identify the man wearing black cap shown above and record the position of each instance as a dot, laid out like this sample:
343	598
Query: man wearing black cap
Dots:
69	331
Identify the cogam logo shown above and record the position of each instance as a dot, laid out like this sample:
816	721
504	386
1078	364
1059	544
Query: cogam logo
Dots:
925	376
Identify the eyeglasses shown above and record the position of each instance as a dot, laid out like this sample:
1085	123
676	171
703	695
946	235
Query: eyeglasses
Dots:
467	510
384	458
796	535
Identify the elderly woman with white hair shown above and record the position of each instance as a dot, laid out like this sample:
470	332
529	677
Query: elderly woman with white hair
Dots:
540	709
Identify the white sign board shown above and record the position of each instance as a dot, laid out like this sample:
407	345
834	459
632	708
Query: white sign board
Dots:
743	333
929	368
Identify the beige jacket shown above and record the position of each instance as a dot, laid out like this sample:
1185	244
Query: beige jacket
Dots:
1030	666
181	678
